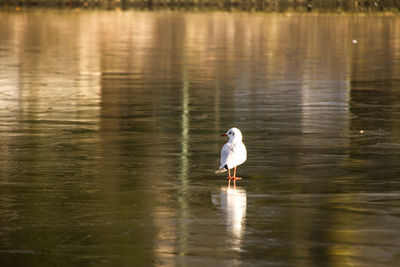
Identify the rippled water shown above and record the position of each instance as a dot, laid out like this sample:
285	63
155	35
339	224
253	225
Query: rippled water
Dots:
110	128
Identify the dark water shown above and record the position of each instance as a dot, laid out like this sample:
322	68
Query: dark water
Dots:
110	128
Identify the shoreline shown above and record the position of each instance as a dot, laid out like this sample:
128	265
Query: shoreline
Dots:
268	6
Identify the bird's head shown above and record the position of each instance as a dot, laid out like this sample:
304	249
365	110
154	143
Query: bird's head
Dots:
233	134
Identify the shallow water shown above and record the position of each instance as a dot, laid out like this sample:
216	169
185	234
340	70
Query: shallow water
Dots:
110	128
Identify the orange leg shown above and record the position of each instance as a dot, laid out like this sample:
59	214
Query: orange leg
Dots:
234	177
229	177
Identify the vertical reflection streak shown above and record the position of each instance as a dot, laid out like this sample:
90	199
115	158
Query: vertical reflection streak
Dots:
185	132
184	166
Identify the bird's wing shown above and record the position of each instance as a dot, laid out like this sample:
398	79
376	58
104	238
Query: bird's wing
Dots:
240	154
226	155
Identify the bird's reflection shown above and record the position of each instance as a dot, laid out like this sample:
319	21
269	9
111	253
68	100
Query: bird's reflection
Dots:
232	201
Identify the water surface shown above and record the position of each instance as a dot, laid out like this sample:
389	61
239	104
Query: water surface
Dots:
110	128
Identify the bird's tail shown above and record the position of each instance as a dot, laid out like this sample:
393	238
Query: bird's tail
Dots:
221	170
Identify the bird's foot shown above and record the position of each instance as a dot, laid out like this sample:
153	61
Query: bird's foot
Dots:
234	178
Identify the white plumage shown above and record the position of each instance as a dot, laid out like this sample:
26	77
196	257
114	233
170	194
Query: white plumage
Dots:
233	153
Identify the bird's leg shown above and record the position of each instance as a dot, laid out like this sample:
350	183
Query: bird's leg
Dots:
234	175
229	178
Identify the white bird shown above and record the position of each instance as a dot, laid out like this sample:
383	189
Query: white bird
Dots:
233	153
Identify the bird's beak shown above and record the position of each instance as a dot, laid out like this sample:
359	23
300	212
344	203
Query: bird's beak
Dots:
224	134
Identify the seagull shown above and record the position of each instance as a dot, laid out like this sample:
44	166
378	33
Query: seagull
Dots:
233	153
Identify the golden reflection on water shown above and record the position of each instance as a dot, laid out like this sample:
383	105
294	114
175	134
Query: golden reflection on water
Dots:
116	73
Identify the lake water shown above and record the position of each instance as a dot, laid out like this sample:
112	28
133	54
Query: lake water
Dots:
110	128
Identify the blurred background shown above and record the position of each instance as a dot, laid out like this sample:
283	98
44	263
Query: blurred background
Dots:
110	126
